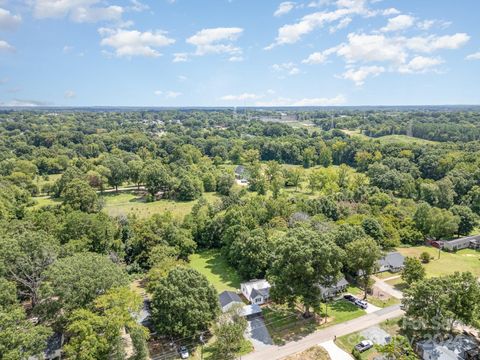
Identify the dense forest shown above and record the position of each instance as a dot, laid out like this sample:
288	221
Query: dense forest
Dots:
328	182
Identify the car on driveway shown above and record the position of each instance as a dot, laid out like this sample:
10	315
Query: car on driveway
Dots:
361	303
183	352
364	345
350	298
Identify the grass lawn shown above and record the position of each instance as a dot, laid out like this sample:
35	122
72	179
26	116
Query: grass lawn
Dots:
463	260
213	265
386	275
314	353
340	311
246	348
129	203
372	299
347	342
286	325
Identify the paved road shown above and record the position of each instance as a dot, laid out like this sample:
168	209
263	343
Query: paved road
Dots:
335	352
278	352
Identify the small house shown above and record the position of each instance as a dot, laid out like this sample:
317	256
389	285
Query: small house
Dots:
393	262
332	291
459	348
472	242
228	299
240	172
256	291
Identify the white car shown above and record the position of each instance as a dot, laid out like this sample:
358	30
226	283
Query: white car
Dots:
184	352
361	303
364	345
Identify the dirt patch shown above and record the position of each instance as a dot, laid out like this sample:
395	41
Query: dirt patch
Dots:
314	353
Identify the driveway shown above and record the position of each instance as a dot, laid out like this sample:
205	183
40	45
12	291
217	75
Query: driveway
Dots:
335	352
258	334
387	288
371	308
376	335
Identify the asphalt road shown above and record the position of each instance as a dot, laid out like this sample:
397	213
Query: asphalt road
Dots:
278	352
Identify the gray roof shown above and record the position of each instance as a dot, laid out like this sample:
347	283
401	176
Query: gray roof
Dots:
393	259
229	297
449	350
251	310
340	283
263	292
240	169
463	240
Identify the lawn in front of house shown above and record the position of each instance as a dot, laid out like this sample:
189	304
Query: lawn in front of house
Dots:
340	311
348	342
286	324
373	299
462	260
214	266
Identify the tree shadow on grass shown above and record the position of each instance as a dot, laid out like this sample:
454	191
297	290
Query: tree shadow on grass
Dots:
218	266
342	306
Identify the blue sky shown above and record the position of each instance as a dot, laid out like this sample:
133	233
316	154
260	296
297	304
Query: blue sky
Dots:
239	52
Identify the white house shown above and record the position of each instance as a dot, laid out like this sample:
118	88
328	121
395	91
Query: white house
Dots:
256	291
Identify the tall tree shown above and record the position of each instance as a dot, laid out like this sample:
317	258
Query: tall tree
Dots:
303	260
79	195
118	170
413	270
183	303
362	257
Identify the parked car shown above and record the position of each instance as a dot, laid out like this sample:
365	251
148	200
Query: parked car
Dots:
183	352
364	345
362	304
350	298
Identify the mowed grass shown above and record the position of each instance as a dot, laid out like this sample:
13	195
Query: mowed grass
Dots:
402	139
133	203
214	266
125	203
463	260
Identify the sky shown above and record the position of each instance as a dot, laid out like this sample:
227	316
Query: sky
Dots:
239	52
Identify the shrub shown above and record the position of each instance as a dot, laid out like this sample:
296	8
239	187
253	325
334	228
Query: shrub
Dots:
425	257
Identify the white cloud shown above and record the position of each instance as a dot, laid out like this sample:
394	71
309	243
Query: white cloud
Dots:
182	78
180	57
286	68
359	75
167	94
236	58
366	48
429	23
128	43
390	11
280	101
24	103
341	25
284	8
77	10
216	41
67	49
241	97
70	94
400	22
138	6
474	56
315	58
6	47
431	43
8	21
420	64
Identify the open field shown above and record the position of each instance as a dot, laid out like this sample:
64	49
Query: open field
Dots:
463	260
129	202
220	274
403	139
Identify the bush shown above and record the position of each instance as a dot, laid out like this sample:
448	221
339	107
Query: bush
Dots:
425	257
356	354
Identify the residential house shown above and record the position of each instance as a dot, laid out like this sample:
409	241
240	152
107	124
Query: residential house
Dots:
472	242
228	299
334	290
459	348
393	262
240	172
256	291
